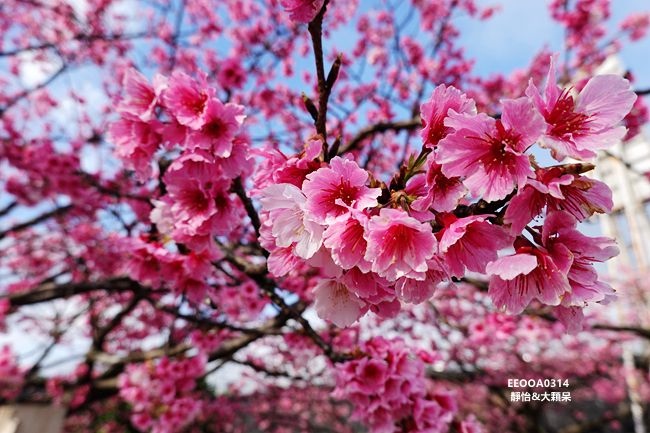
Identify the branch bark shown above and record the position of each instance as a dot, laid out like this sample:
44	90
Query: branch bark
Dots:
379	128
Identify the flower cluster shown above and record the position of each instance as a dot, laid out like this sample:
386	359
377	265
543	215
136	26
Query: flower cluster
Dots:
162	396
11	374
389	390
471	192
152	264
182	114
556	268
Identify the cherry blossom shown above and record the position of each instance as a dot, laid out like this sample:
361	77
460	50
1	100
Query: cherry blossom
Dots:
579	125
489	153
279	215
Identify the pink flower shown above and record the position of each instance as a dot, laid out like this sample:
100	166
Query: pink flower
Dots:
332	191
443	193
221	124
336	303
139	99
12	376
388	389
578	195
290	226
399	245
470	243
197	192
417	291
239	161
559	270
636	25
187	99
231	74
144	261
434	112
345	239
375	291
570	317
135	144
162	216
560	230
489	153
577	128
371	373
470	425
302	11
531	273
162	396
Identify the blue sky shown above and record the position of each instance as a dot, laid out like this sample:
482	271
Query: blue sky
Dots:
508	40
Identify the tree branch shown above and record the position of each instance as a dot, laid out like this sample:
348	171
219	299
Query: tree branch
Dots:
316	32
238	188
379	128
36	220
48	292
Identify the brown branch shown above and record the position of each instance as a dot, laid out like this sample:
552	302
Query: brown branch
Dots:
107	190
49	292
36	220
102	333
5	210
379	128
268	286
79	37
232	346
641	332
202	322
316	32
238	188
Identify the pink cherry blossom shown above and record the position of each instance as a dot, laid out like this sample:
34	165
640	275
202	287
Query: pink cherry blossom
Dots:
162	395
399	245
530	273
377	294
435	111
336	303
199	194
489	153
139	99
387	388
302	11
187	99
578	195
290	225
416	291
330	191
578	126
470	243
12	375
443	193
185	251
560	229
560	269
345	239
220	125
135	143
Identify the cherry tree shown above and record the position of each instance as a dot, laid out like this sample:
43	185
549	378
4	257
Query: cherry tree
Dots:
311	216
